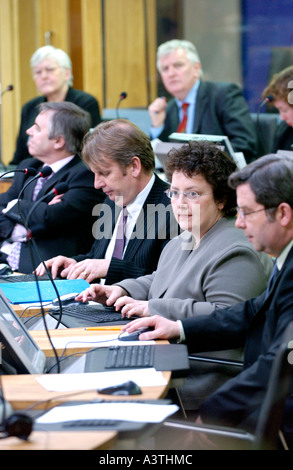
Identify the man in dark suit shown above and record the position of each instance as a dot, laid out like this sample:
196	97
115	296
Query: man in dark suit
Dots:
61	222
212	108
122	160
265	213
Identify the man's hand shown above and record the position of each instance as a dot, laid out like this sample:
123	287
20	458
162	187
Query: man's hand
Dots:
89	269
163	328
157	111
56	264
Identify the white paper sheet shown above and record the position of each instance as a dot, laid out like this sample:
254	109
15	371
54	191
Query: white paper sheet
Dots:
135	412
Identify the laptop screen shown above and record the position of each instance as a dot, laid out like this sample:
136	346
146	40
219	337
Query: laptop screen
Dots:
222	141
19	352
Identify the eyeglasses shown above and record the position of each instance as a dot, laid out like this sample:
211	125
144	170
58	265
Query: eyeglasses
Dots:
243	214
189	195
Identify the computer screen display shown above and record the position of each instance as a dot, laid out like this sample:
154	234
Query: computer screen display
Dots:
18	349
221	140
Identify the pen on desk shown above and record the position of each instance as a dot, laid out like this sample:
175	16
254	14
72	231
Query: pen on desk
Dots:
109	328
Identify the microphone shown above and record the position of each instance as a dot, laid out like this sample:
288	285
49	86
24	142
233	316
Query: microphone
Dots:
46	171
268	99
8	88
60	188
122	97
27	171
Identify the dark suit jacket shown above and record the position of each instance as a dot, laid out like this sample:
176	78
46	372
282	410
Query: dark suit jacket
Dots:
30	111
258	324
65	227
283	138
144	249
220	110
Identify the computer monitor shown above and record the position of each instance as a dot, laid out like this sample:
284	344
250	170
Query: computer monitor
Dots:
19	352
221	140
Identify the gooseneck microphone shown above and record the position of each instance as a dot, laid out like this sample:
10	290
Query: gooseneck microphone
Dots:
267	99
60	188
46	171
8	88
27	171
122	97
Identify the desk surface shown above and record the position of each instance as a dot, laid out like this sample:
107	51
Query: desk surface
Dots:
61	441
23	390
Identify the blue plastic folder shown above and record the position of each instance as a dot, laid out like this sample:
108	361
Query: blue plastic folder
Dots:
27	292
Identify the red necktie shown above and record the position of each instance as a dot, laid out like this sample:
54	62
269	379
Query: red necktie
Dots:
182	124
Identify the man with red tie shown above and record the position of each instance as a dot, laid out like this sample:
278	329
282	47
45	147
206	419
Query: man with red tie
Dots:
198	106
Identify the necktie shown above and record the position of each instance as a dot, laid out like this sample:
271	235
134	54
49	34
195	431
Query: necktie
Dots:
183	122
120	235
14	256
272	279
39	185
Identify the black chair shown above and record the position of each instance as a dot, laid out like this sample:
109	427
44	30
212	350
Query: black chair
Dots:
265	126
268	434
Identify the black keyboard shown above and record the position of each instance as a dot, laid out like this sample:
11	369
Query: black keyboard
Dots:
23	278
96	314
93	423
130	357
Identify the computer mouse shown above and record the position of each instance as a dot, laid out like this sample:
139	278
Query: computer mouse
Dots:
5	270
126	388
67	299
133	336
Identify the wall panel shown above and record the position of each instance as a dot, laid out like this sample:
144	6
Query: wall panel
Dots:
125	52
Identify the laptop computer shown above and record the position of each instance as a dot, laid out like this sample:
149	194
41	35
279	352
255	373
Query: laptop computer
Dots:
22	355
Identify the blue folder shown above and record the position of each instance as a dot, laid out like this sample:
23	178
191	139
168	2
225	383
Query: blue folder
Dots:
27	292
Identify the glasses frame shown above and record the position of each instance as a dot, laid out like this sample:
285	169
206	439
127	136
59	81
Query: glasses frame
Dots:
243	214
186	194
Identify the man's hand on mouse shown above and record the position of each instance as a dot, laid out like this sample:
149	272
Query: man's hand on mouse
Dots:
162	328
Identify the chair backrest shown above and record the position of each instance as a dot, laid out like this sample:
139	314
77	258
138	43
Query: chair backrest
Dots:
272	410
265	126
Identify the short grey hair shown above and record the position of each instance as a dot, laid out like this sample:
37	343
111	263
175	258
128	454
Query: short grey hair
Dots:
171	46
52	53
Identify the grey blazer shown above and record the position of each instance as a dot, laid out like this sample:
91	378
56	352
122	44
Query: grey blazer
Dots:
223	270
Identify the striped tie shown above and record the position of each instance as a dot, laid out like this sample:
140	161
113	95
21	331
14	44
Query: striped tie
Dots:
120	235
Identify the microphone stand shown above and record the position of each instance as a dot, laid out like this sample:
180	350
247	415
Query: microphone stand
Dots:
32	244
122	97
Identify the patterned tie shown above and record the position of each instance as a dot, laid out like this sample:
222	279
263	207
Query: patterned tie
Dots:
14	256
120	236
40	183
183	122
